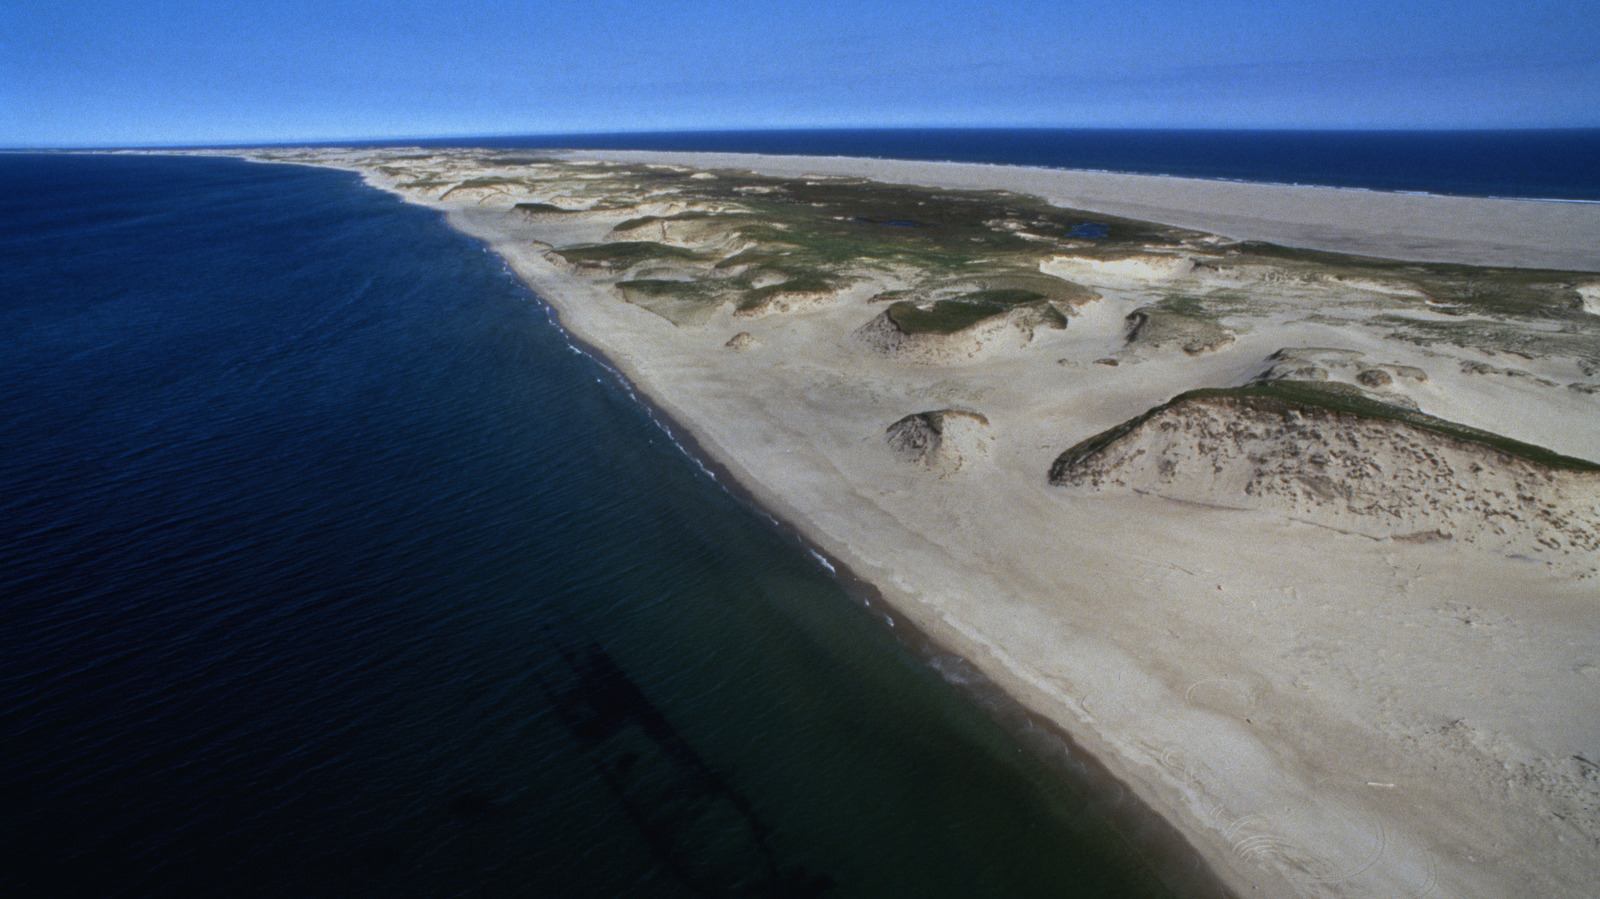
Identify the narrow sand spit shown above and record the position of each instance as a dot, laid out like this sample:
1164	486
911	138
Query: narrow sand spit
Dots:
1321	705
1536	234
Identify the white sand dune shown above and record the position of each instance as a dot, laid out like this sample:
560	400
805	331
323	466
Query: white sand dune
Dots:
1012	329
1143	269
1381	479
944	440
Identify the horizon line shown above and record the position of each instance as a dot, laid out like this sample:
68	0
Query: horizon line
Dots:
396	139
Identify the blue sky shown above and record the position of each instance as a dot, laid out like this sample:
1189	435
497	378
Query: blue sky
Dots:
76	73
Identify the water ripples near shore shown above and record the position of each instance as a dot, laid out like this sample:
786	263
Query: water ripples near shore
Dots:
330	570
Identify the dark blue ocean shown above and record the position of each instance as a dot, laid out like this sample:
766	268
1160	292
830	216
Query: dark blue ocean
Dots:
329	568
1541	164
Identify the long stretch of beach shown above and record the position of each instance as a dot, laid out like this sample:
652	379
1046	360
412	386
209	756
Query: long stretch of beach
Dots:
1321	707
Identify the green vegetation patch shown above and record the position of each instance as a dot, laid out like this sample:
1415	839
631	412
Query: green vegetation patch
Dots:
624	253
808	283
1057	290
484	182
959	313
940	316
749	257
1182	320
846	221
541	208
680	302
664	288
1343	399
641	221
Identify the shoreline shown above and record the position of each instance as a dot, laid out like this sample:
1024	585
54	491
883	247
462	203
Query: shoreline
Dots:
1281	723
1175	861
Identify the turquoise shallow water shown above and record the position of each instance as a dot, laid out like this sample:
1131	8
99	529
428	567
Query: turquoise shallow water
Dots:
329	568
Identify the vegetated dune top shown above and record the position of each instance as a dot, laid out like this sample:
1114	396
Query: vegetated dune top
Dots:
1384	475
1427	228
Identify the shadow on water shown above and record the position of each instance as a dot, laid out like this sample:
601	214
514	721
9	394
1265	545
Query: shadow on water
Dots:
1134	850
698	826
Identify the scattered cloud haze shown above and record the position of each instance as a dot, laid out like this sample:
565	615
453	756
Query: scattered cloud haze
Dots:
115	72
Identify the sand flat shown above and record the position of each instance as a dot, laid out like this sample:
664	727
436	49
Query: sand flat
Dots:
1320	712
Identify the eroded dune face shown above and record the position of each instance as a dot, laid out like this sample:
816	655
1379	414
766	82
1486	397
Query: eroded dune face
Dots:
1371	476
1140	268
944	440
1590	295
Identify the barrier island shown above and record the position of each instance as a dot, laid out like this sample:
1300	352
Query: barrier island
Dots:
1282	502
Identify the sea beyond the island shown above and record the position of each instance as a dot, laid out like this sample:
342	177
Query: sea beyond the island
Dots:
318	539
1558	164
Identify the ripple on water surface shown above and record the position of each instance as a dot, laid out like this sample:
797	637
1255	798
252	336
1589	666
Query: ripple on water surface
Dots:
331	571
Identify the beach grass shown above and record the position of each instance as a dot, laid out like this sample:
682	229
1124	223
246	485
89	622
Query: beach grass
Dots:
959	313
624	253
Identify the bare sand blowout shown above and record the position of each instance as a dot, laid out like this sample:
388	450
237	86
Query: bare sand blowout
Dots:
1304	548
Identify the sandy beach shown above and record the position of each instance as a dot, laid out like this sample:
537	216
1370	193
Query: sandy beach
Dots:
1320	706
